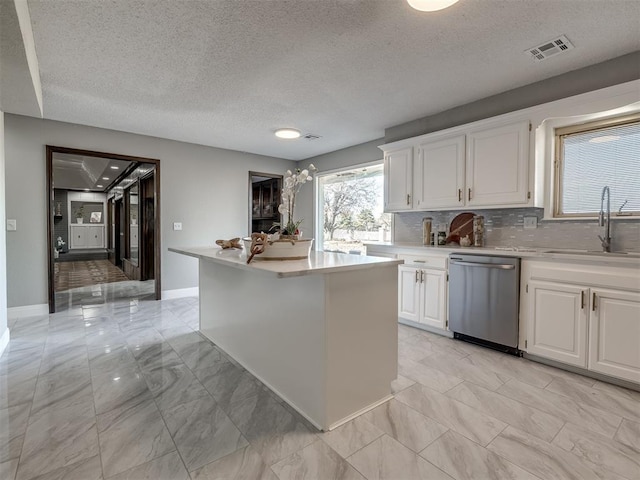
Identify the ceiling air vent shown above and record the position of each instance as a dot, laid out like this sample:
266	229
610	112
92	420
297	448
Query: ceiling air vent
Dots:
311	136
550	48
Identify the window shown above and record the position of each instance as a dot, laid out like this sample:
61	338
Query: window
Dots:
349	206
592	156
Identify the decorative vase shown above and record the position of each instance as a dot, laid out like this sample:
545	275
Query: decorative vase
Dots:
79	220
285	248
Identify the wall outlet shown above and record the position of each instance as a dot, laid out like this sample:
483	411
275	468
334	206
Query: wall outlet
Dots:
530	222
11	225
177	225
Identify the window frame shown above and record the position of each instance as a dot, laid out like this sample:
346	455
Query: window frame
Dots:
559	134
317	209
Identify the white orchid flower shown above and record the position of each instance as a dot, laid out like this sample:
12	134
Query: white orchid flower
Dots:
289	173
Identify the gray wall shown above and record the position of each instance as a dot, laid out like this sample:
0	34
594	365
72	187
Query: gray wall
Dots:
612	72
3	235
204	188
504	228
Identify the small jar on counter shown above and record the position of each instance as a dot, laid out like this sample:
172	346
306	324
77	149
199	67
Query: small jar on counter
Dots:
478	231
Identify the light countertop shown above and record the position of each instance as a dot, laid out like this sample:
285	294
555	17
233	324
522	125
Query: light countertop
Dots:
631	259
317	263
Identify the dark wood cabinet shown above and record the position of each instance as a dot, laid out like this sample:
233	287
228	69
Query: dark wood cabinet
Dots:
265	197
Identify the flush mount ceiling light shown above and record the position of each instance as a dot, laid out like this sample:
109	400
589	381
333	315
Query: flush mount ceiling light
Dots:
105	178
430	5
113	167
288	133
100	186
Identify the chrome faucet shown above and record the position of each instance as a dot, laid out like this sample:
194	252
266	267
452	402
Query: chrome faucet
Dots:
605	222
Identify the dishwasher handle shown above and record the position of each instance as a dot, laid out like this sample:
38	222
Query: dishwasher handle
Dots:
483	265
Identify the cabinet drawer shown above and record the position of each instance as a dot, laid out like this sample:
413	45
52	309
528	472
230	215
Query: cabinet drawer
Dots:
427	261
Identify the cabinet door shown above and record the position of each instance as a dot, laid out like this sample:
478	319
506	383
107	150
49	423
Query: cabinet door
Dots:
398	180
95	237
558	322
78	237
439	174
408	293
498	165
433	298
614	333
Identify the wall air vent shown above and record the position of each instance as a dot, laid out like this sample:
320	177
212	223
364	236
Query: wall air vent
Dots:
311	136
550	48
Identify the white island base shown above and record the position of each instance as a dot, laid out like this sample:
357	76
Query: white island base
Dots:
321	333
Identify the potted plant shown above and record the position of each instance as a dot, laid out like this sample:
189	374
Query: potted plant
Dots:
80	214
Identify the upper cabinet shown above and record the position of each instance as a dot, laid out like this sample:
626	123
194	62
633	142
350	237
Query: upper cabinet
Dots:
398	180
486	166
439	173
498	165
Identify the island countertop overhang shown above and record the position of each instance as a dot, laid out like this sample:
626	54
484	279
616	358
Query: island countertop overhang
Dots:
317	263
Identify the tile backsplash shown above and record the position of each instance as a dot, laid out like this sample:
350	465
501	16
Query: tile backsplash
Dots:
505	228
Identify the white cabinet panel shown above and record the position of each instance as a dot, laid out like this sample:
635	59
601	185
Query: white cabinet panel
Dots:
408	293
558	322
433	298
498	165
439	173
614	333
422	295
398	180
78	237
86	236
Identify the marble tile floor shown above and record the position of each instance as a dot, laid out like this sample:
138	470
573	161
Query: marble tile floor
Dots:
130	390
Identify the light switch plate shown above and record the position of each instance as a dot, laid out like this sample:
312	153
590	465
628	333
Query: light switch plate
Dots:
530	222
11	225
177	225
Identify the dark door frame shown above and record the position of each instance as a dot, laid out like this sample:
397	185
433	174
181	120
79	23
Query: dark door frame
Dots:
50	150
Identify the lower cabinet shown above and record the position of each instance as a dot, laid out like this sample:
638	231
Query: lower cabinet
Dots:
422	295
558	322
614	333
586	326
86	236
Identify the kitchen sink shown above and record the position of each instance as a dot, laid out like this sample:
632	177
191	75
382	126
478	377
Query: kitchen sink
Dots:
594	252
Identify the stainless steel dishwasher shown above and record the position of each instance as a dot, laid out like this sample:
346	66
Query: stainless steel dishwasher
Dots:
483	299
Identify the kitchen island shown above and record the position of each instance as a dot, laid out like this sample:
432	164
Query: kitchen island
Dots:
321	333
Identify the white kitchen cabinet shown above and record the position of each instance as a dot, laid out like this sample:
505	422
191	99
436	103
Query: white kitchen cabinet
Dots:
614	333
439	173
398	180
583	314
558	322
497	167
86	236
422	295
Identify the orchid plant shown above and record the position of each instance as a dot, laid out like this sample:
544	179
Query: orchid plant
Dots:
293	181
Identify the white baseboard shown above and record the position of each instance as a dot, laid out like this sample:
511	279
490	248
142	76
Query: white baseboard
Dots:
28	311
180	293
4	340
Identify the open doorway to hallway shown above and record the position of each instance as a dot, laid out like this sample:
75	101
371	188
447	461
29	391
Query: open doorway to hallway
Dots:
103	223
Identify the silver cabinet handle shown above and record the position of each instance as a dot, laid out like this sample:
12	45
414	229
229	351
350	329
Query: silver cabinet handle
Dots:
593	302
417	276
408	198
484	265
459	194
421	276
469	194
582	300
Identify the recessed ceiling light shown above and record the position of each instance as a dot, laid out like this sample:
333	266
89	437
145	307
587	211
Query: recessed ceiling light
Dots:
605	139
113	167
430	5
86	190
288	133
105	178
100	186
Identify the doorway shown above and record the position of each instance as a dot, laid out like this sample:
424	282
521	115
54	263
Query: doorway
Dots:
264	197
103	226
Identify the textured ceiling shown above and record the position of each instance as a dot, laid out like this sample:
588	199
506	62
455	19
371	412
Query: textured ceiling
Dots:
227	73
